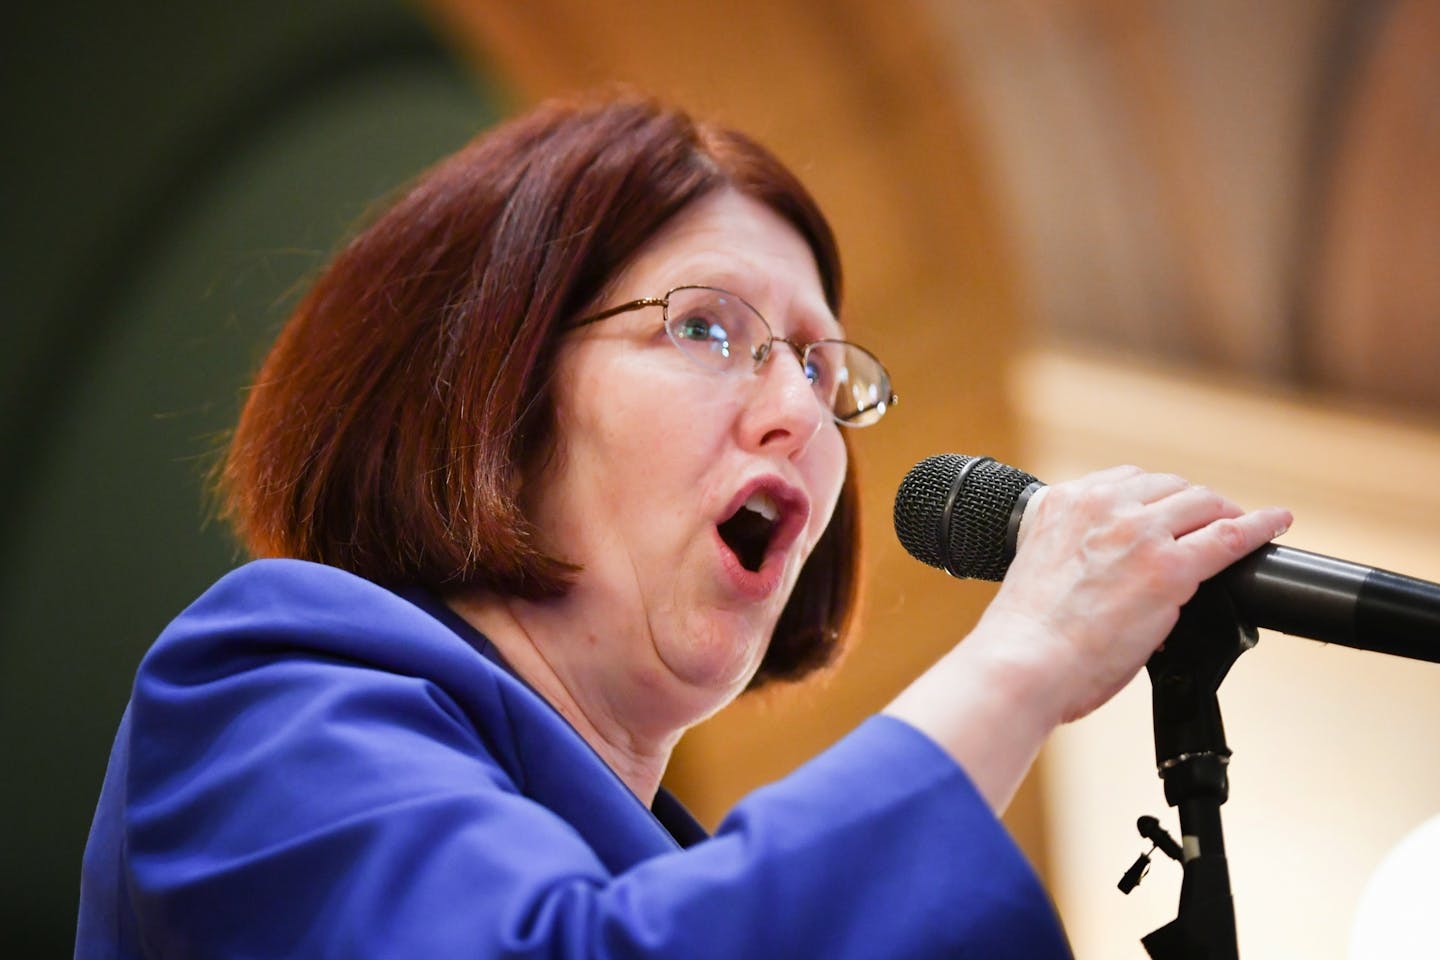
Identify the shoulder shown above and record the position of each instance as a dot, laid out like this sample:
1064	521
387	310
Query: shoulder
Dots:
290	609
275	640
297	594
286	672
293	699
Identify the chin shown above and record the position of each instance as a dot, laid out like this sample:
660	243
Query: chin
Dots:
719	656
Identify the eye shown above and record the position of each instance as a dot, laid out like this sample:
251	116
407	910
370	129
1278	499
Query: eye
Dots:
701	331
820	368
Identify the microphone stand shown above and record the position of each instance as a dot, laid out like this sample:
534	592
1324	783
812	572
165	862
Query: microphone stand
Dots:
1191	756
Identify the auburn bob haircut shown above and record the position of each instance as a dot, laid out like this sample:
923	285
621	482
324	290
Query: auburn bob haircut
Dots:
391	427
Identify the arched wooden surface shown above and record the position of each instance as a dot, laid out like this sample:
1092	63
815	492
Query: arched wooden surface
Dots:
1145	155
1242	187
1374	329
850	94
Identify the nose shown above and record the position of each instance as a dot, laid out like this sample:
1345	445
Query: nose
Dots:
783	414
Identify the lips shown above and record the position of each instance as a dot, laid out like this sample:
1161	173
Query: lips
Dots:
761	522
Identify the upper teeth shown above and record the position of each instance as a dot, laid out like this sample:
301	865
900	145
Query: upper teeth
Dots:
763	505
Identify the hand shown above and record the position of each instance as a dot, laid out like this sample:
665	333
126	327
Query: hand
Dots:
1104	564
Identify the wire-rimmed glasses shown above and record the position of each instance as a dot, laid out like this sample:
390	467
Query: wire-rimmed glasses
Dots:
720	331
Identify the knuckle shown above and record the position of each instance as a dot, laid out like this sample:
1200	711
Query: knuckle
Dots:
1173	579
1206	495
1151	546
1095	501
1118	530
1067	500
1231	535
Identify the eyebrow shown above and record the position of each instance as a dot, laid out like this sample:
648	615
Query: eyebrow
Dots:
827	325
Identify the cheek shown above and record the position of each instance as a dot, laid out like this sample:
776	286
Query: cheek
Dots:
648	454
826	461
671	435
638	398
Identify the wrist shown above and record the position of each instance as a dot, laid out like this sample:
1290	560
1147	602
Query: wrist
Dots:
1015	656
988	704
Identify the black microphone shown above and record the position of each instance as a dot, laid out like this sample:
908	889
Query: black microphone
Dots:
962	514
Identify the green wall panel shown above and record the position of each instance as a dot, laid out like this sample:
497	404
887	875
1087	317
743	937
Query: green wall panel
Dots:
178	171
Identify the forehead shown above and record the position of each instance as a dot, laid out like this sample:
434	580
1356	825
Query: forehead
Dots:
729	240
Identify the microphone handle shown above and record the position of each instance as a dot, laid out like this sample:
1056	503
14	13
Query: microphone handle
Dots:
1335	601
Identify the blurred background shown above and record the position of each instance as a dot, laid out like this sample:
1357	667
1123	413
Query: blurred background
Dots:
1201	236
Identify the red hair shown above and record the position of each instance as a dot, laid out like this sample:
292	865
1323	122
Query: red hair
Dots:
397	415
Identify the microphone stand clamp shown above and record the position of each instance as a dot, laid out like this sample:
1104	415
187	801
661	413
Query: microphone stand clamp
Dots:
1191	756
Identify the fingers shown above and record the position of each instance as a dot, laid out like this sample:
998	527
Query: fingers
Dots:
1135	485
1189	508
1099	493
1223	541
1150	487
1211	529
1106	564
1110	475
1211	526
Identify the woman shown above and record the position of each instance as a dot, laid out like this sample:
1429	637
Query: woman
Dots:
555	451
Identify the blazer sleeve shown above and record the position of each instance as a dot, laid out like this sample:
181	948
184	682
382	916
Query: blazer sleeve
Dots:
287	797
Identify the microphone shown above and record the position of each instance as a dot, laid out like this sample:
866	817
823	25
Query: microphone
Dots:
962	514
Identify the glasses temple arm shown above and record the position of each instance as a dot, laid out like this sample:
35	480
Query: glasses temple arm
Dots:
622	308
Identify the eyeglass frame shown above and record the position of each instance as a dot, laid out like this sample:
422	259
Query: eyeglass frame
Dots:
759	353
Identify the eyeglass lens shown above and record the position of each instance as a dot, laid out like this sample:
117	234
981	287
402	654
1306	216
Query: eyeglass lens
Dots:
719	331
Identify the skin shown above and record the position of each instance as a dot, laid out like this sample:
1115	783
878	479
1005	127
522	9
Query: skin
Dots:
654	636
1103	566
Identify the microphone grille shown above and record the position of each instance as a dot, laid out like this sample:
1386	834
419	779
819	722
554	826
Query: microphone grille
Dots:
976	543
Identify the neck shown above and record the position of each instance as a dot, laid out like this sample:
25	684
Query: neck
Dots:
573	671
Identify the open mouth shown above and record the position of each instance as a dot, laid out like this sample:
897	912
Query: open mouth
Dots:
750	529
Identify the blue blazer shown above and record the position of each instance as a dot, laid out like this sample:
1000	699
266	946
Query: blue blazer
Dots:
311	765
